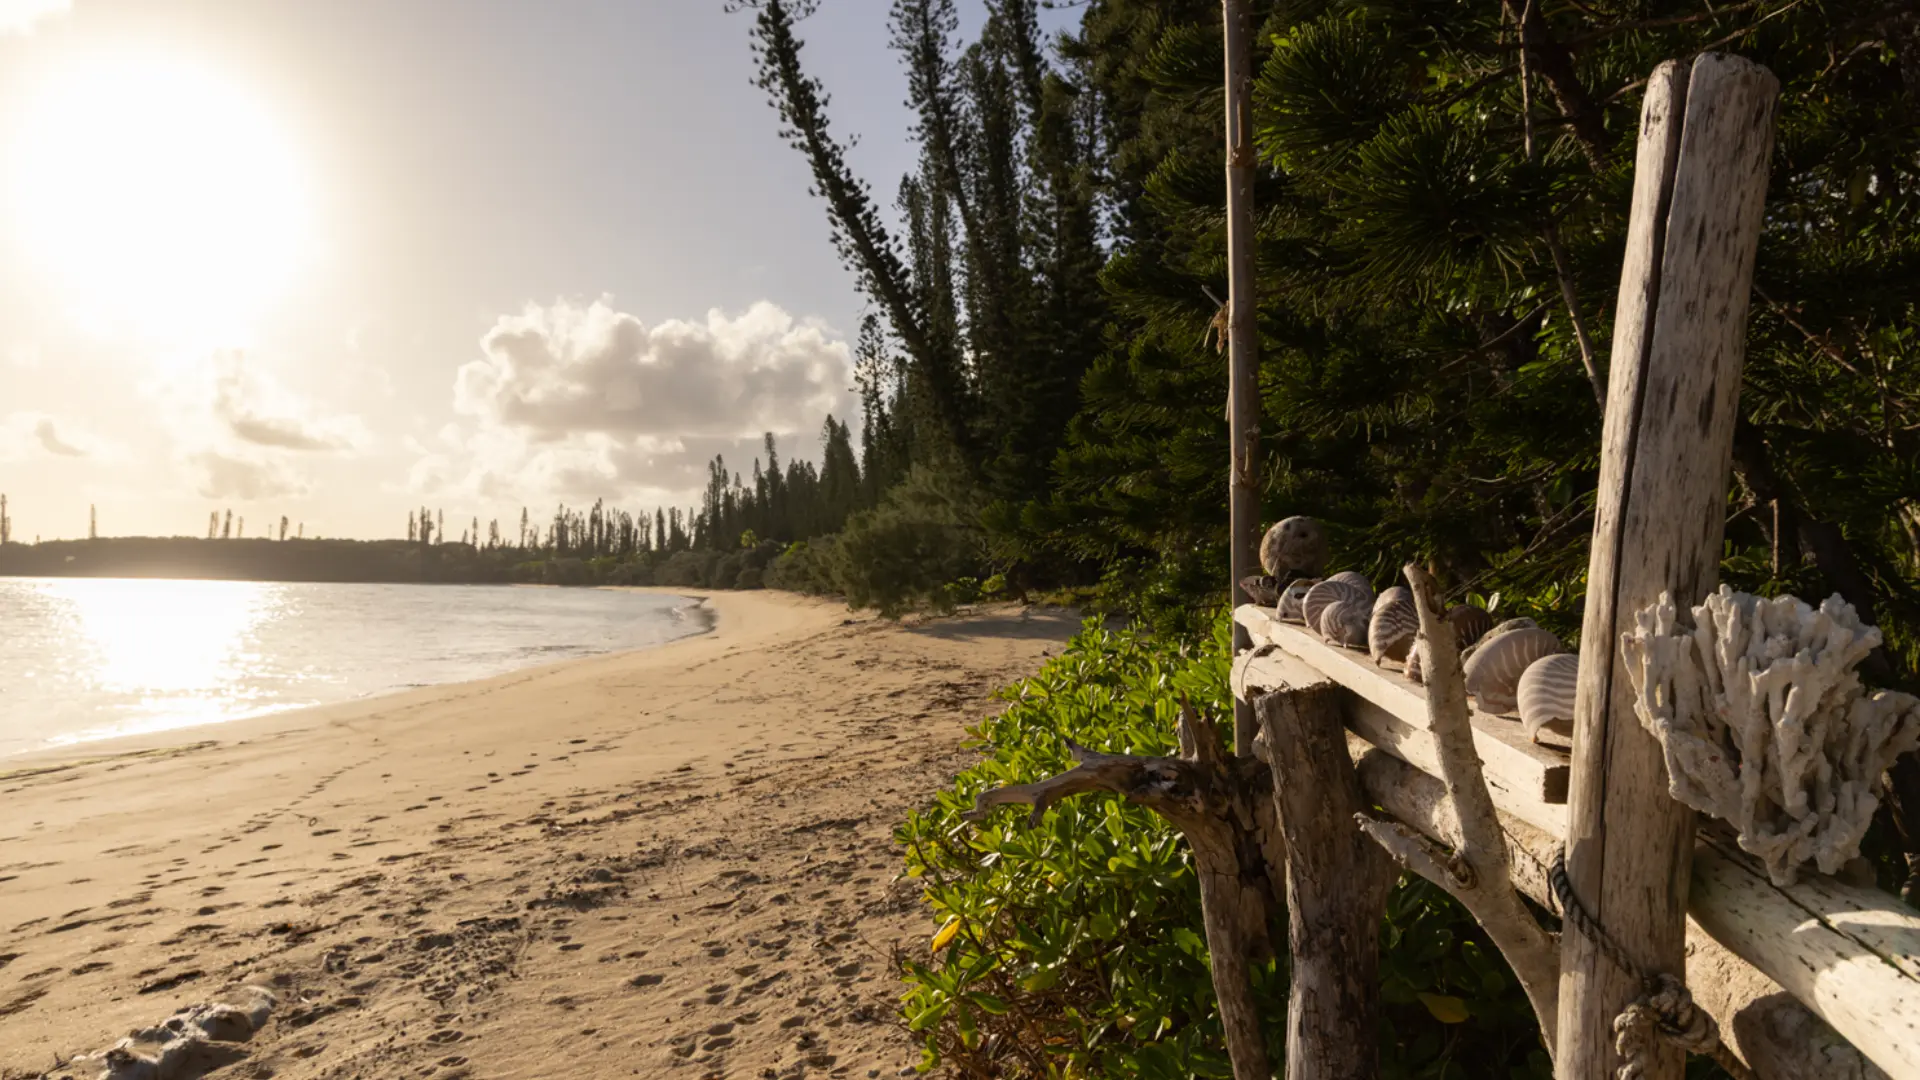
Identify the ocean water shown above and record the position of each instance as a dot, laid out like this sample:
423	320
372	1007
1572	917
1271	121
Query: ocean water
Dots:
93	658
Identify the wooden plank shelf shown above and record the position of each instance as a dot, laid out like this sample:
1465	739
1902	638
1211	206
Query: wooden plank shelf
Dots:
1527	781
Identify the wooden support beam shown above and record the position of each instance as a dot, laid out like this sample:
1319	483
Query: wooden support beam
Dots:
1337	887
1679	342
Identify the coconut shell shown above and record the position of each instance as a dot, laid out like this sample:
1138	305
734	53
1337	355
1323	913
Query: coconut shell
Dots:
1295	547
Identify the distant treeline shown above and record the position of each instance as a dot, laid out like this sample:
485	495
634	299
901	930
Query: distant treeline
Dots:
731	540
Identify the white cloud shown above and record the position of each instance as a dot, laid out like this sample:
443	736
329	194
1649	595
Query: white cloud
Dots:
575	401
566	370
219	475
18	16
258	411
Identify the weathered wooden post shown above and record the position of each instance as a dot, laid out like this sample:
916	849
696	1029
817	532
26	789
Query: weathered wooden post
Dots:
1679	341
1337	886
1243	403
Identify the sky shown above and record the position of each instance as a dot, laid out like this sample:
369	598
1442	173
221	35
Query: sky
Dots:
336	259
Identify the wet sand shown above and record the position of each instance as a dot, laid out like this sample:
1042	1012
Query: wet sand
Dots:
672	862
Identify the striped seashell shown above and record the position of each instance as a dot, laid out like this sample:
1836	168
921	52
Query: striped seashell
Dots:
1501	628
1294	547
1344	622
1292	599
1546	698
1412	667
1391	630
1494	669
1470	624
1261	589
1345	585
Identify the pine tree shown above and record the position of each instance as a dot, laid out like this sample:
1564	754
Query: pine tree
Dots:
93	523
226	526
6	523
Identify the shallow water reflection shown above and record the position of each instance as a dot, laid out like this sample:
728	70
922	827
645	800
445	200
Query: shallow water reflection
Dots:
87	658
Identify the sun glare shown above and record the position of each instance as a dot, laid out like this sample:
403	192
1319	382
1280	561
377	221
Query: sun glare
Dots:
157	198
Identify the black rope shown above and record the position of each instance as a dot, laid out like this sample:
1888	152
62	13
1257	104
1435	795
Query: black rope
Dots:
1664	1003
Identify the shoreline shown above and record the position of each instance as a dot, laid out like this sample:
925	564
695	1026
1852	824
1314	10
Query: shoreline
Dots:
83	751
679	855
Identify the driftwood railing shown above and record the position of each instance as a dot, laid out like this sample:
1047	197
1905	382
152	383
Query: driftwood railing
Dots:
1793	975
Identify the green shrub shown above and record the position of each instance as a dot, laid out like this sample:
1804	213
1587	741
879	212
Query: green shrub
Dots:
903	553
804	567
686	569
566	571
747	579
1077	947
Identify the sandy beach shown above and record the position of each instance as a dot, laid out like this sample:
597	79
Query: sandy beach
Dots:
672	862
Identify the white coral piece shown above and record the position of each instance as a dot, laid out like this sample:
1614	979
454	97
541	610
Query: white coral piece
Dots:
1765	725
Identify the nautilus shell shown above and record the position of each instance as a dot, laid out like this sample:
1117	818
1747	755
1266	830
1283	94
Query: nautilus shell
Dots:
1392	626
1344	622
1494	669
1470	624
1295	547
1546	699
1345	585
1498	629
1293	597
1261	589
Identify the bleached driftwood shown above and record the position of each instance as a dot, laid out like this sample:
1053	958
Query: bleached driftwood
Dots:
1764	722
1764	1026
1679	342
1337	886
1850	955
1475	870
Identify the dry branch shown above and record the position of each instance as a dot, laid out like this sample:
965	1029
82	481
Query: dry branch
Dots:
1475	872
1220	804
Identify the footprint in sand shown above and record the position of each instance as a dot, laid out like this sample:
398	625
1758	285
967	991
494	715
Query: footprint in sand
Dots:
445	1036
646	980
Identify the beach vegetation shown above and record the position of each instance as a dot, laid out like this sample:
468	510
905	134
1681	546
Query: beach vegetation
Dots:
1074	946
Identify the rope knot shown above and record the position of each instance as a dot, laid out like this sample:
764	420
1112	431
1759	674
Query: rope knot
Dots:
1665	1010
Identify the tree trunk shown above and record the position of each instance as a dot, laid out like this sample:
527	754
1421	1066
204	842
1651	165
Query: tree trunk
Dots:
1243	341
1337	886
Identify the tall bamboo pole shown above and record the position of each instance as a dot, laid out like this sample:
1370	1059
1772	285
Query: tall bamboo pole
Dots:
1680	335
1243	403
